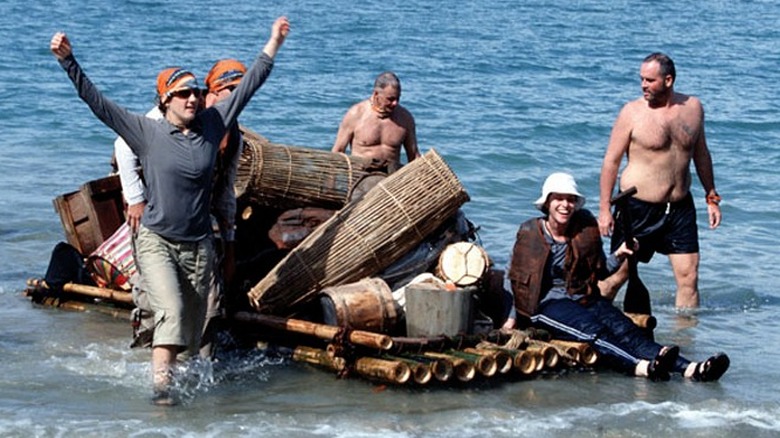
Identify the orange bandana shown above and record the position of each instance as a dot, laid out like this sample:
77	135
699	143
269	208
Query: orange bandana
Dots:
224	73
174	79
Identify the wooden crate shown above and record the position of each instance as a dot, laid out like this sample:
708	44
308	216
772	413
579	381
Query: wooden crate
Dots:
91	214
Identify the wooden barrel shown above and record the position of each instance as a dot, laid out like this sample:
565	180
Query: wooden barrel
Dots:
364	305
463	263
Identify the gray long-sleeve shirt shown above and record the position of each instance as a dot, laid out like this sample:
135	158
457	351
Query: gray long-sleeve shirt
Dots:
223	200
178	168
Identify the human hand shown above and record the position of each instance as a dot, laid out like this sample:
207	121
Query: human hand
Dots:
606	222
279	32
280	29
60	46
509	324
134	214
714	214
624	250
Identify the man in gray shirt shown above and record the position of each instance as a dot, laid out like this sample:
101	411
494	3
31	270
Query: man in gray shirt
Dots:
174	244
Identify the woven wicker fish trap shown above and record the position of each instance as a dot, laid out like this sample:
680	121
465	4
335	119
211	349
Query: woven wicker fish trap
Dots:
366	236
287	177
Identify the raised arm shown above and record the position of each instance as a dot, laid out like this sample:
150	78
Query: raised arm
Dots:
60	46
279	31
127	125
230	108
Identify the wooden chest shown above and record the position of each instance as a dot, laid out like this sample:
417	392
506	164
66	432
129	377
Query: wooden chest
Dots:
91	214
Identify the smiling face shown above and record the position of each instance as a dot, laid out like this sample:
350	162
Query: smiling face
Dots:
385	100
560	208
182	106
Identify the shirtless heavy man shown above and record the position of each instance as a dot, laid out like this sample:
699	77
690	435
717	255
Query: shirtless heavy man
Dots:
378	126
660	133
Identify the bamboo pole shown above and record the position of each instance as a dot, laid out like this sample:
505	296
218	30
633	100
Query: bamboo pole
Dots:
90	291
392	371
586	355
320	357
441	368
486	365
421	372
321	331
503	359
549	356
440	343
643	321
81	307
463	369
524	361
568	355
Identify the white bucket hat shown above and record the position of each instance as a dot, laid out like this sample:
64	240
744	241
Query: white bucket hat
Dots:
562	183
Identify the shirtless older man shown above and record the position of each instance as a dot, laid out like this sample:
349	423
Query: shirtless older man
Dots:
660	133
378	126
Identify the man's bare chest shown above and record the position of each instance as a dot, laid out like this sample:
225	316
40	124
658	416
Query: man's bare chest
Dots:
658	133
384	131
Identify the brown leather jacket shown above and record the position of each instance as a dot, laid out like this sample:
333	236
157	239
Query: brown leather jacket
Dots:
584	264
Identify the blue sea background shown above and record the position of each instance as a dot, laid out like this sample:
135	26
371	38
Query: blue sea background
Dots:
507	92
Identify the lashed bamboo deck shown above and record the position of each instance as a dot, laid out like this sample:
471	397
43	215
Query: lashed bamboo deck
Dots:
380	357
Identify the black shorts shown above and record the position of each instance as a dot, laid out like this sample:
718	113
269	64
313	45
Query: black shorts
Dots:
667	228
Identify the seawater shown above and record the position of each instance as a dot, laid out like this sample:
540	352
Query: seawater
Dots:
507	92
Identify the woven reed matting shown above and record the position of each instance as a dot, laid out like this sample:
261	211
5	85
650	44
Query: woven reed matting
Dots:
288	177
365	236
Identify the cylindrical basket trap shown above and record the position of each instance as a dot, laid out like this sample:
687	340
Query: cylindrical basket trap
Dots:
288	177
366	236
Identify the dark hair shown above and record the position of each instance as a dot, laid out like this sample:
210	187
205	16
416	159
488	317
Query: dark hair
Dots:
545	208
387	79
664	62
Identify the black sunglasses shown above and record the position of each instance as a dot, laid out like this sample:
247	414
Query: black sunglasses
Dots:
186	93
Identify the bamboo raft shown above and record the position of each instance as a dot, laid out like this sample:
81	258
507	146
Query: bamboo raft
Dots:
364	237
458	359
378	357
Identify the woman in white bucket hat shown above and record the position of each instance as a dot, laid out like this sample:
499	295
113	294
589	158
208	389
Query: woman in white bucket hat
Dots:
562	184
556	264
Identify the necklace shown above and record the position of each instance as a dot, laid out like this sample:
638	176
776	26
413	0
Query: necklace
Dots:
382	114
549	230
